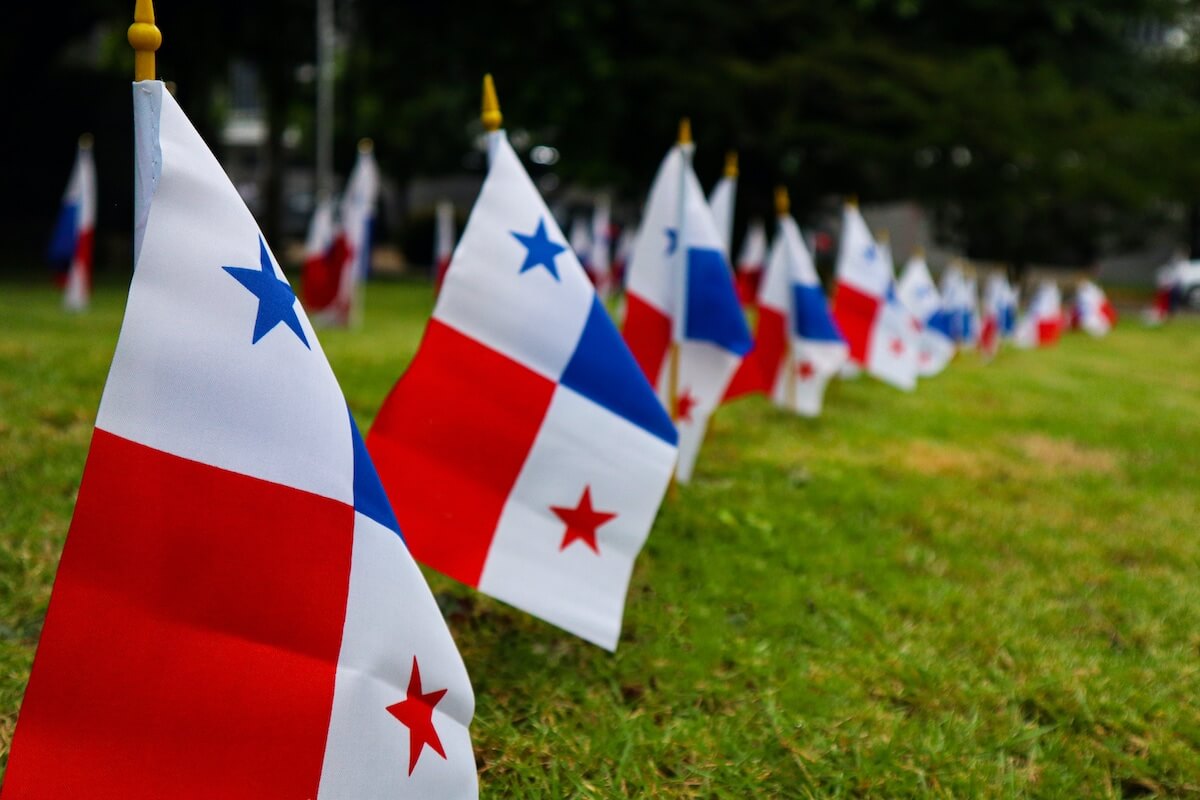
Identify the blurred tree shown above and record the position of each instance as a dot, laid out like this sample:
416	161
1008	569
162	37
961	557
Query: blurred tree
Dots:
1044	131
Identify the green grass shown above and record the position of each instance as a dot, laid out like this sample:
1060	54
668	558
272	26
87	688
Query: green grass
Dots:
988	588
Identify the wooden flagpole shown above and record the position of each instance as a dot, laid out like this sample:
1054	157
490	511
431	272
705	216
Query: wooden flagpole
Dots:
783	207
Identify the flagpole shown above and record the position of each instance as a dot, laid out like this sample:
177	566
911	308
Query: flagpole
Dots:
782	209
685	152
145	38
489	113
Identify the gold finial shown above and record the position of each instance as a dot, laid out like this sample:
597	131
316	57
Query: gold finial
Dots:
918	252
852	200
144	38
884	237
85	141
490	114
685	131
782	202
731	165
366	145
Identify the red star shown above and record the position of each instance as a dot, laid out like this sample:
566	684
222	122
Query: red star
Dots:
925	358
805	370
582	521
416	712
684	405
916	324
897	346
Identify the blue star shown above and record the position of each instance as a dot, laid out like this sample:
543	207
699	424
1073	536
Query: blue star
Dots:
869	253
541	252
276	300
672	239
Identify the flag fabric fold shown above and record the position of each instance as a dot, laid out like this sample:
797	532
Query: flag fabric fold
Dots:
681	304
70	251
235	614
880	333
524	451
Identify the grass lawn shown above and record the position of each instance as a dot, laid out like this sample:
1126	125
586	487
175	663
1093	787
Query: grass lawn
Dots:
988	588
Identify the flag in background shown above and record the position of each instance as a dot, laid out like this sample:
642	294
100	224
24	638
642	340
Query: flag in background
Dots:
443	242
971	315
877	328
524	451
1093	312
323	252
1042	323
350	254
723	201
70	251
681	303
624	249
750	262
995	299
920	296
600	258
798	346
581	242
235	614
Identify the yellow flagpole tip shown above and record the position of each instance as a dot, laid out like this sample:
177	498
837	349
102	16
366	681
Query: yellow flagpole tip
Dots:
783	203
86	141
918	252
490	110
852	200
731	164
884	236
366	145
685	131
145	38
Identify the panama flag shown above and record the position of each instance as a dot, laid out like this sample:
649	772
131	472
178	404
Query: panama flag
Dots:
991	328
750	262
681	304
722	202
1042	323
971	314
581	242
523	450
350	256
71	243
323	252
621	255
798	345
879	331
443	242
954	304
235	613
920	296
1094	313
599	261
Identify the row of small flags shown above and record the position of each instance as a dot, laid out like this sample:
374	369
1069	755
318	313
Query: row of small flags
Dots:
237	612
